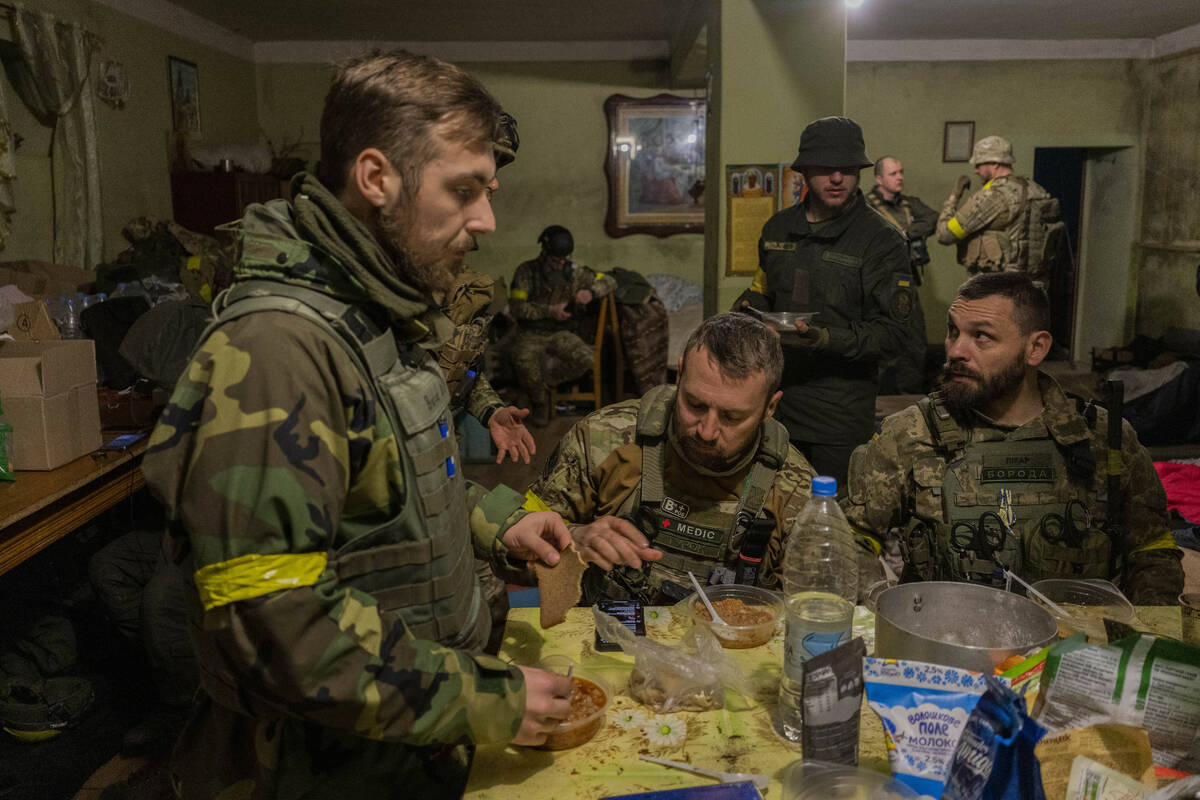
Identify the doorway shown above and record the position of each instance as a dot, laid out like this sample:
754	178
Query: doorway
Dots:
1061	172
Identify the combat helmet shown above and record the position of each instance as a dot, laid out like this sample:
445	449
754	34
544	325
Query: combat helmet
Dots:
506	140
832	142
992	150
557	241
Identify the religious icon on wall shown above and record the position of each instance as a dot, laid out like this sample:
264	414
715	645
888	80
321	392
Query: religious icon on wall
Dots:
655	165
113	86
185	96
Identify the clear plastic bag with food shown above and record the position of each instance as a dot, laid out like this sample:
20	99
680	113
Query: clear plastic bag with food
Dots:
689	676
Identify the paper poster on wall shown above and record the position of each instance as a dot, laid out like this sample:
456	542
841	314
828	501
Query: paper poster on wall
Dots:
751	197
792	188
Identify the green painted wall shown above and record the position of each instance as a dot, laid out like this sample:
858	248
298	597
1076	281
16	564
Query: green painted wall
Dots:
903	107
558	177
1170	249
780	67
134	141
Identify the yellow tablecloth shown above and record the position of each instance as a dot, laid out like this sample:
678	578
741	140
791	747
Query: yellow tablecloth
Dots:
737	738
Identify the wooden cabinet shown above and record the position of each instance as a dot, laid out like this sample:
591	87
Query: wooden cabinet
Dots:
203	200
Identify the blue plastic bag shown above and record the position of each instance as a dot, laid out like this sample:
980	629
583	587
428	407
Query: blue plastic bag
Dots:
995	759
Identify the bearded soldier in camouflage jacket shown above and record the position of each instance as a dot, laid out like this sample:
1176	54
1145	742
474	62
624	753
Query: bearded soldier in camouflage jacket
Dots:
1008	225
308	468
999	469
697	478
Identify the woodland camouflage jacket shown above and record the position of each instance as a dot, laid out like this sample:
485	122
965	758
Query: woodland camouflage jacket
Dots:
271	455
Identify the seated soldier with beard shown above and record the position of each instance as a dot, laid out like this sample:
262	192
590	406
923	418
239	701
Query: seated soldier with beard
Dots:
999	468
698	477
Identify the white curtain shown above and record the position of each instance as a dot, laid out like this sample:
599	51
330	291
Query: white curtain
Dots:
53	78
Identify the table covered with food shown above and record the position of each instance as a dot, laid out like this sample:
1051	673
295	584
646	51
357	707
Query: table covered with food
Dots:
680	693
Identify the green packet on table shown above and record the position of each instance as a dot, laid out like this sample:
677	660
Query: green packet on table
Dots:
1142	680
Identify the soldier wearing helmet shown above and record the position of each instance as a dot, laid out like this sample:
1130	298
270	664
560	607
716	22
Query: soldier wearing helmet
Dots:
547	298
1012	224
834	256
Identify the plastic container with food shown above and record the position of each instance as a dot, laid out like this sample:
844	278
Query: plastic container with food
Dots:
589	704
786	320
751	614
1088	602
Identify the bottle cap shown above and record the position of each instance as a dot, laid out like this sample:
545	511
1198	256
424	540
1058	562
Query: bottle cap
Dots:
825	486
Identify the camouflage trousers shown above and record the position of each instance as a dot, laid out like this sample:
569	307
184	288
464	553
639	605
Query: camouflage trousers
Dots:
544	359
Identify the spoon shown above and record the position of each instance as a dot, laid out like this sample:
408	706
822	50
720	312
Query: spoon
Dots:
1055	607
760	781
712	611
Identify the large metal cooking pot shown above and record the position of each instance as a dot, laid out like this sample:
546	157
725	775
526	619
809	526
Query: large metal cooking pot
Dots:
958	624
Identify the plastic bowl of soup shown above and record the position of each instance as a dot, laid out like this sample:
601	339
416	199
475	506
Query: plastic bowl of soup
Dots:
589	703
751	614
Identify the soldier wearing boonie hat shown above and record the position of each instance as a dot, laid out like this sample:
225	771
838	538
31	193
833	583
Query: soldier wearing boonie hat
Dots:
834	256
1010	225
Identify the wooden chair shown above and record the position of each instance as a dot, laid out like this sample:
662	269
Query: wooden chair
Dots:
606	323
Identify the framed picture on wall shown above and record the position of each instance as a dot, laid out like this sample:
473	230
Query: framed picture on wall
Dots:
184	84
957	141
655	165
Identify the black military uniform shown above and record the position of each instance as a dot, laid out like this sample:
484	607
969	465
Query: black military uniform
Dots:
853	270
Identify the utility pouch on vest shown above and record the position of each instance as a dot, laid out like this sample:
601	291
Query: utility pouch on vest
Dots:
972	566
916	543
984	252
1087	558
754	548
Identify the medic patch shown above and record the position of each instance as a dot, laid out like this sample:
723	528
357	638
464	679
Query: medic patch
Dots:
688	538
675	508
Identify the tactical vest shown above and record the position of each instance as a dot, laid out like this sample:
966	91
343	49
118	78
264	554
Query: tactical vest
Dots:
1022	239
1025	505
551	287
419	564
918	253
694	533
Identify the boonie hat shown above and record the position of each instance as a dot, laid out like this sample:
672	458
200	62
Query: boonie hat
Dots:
992	150
557	241
832	142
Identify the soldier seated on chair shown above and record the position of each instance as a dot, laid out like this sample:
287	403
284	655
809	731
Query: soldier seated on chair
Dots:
696	478
547	298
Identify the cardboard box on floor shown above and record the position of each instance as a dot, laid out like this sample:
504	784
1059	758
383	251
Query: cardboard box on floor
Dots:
45	278
48	391
31	322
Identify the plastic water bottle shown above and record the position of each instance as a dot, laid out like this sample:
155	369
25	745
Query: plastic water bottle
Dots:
820	584
69	328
